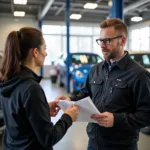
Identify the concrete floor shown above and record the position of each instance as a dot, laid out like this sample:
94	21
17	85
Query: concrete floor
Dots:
76	138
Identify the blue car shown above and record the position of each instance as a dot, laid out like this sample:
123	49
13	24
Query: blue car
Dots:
80	66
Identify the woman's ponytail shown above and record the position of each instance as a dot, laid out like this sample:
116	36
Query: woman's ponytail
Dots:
12	56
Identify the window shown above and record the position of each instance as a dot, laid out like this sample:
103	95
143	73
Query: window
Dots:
96	47
53	44
96	31
73	44
140	39
146	60
51	29
85	44
135	40
85	59
82	39
144	38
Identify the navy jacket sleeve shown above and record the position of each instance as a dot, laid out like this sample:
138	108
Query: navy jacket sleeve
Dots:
38	111
141	117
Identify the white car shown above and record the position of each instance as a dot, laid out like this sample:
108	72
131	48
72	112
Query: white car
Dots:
141	57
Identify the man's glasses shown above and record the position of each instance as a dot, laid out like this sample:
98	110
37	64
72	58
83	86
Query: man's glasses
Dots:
107	40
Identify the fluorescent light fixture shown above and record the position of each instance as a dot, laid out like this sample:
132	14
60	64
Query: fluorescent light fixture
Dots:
136	19
75	16
19	13
20	2
90	5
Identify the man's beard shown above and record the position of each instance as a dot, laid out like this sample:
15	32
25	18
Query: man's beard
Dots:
109	55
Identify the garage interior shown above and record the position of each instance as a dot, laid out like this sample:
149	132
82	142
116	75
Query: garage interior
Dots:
50	16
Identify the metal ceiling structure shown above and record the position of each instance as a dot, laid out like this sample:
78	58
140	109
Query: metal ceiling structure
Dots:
54	10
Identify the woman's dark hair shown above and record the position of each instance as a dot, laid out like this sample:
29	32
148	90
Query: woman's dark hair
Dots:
17	47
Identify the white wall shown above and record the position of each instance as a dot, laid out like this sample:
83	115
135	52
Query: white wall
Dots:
10	24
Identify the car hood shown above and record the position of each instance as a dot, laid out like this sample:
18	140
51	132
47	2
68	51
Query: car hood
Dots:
82	67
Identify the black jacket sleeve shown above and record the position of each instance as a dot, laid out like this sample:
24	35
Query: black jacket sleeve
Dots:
141	117
38	111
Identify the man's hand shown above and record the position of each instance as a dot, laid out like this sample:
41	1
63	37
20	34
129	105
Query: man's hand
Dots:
105	119
54	108
62	97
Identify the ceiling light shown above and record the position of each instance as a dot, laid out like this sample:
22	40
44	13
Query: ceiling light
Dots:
19	13
136	19
75	16
21	2
90	5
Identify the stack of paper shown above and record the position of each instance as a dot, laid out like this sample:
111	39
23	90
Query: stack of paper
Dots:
86	108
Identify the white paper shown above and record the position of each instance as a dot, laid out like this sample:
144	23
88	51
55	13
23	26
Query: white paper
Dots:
86	109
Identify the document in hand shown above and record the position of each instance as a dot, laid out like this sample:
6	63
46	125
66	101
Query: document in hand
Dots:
86	109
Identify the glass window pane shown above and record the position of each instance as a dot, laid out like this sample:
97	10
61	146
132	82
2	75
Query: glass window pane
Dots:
64	30
96	47
73	44
96	30
85	59
135	37
85	31
144	45
144	38
76	30
53	44
85	44
144	32
146	60
51	29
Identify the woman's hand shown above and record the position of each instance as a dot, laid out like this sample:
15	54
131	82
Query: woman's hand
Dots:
54	108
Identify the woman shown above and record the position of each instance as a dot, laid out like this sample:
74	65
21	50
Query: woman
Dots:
25	108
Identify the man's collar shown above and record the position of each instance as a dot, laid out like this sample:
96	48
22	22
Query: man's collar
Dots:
121	63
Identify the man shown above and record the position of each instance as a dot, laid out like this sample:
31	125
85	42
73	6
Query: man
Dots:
120	89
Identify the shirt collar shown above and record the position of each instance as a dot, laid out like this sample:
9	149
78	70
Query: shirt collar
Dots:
121	62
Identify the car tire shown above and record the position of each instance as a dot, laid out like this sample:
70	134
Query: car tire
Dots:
53	79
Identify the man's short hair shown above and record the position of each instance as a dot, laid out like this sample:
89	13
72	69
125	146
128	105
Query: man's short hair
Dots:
118	25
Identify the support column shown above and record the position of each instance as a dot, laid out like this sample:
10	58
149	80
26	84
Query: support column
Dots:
40	27
117	9
68	43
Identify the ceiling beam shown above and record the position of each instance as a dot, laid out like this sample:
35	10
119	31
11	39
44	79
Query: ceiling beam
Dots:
134	6
79	10
45	9
60	10
80	5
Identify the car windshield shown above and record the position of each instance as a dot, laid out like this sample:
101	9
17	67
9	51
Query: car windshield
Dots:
85	59
142	59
